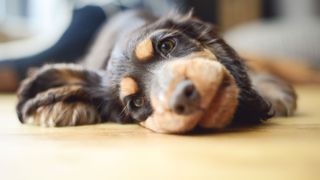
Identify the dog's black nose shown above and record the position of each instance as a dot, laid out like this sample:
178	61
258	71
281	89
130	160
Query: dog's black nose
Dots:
185	98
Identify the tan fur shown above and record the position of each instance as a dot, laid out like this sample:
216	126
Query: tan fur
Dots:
216	87
128	86
169	122
144	50
287	69
163	120
196	71
226	97
200	73
205	53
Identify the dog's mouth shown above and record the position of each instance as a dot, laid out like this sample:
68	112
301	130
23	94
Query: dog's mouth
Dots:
190	92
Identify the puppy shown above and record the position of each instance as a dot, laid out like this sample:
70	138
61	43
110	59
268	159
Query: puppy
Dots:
141	66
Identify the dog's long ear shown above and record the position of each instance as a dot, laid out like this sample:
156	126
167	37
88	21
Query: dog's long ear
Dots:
70	90
252	107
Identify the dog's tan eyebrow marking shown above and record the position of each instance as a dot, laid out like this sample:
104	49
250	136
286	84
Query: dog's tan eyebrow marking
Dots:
206	53
144	50
128	86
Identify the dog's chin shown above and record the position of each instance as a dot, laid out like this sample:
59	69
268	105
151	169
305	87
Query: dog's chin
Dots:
218	97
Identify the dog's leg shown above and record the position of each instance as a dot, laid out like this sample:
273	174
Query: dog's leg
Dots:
59	95
289	70
278	93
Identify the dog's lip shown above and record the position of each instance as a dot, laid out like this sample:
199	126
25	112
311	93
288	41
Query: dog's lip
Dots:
200	110
214	99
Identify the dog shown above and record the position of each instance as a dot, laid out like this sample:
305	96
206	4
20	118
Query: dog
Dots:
135	58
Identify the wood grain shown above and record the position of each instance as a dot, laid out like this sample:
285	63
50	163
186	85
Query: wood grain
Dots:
283	148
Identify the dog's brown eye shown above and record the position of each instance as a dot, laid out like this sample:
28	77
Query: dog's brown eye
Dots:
138	102
166	46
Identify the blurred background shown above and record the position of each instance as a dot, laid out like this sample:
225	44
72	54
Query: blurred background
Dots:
289	29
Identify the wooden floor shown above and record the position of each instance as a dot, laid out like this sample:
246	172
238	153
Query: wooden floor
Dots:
284	148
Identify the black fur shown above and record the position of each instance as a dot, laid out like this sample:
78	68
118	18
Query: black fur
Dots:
102	89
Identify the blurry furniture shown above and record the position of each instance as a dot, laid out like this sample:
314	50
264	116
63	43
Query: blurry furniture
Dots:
234	12
227	13
4	37
294	33
285	29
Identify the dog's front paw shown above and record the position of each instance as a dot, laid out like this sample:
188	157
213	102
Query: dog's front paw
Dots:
283	102
58	95
63	106
280	95
63	114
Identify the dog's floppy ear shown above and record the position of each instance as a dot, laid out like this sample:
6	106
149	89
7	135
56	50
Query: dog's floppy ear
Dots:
252	107
66	94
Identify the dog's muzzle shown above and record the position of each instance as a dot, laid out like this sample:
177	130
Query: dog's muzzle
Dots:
189	92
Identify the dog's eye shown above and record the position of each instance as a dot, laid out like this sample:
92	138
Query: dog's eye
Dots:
137	102
166	46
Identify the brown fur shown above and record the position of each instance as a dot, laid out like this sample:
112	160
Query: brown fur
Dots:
9	79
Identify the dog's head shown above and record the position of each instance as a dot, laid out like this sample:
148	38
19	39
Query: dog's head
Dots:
178	66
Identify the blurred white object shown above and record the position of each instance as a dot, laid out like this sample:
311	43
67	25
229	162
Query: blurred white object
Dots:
43	22
295	35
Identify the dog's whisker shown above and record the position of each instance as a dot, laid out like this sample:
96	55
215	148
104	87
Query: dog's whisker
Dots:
125	108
